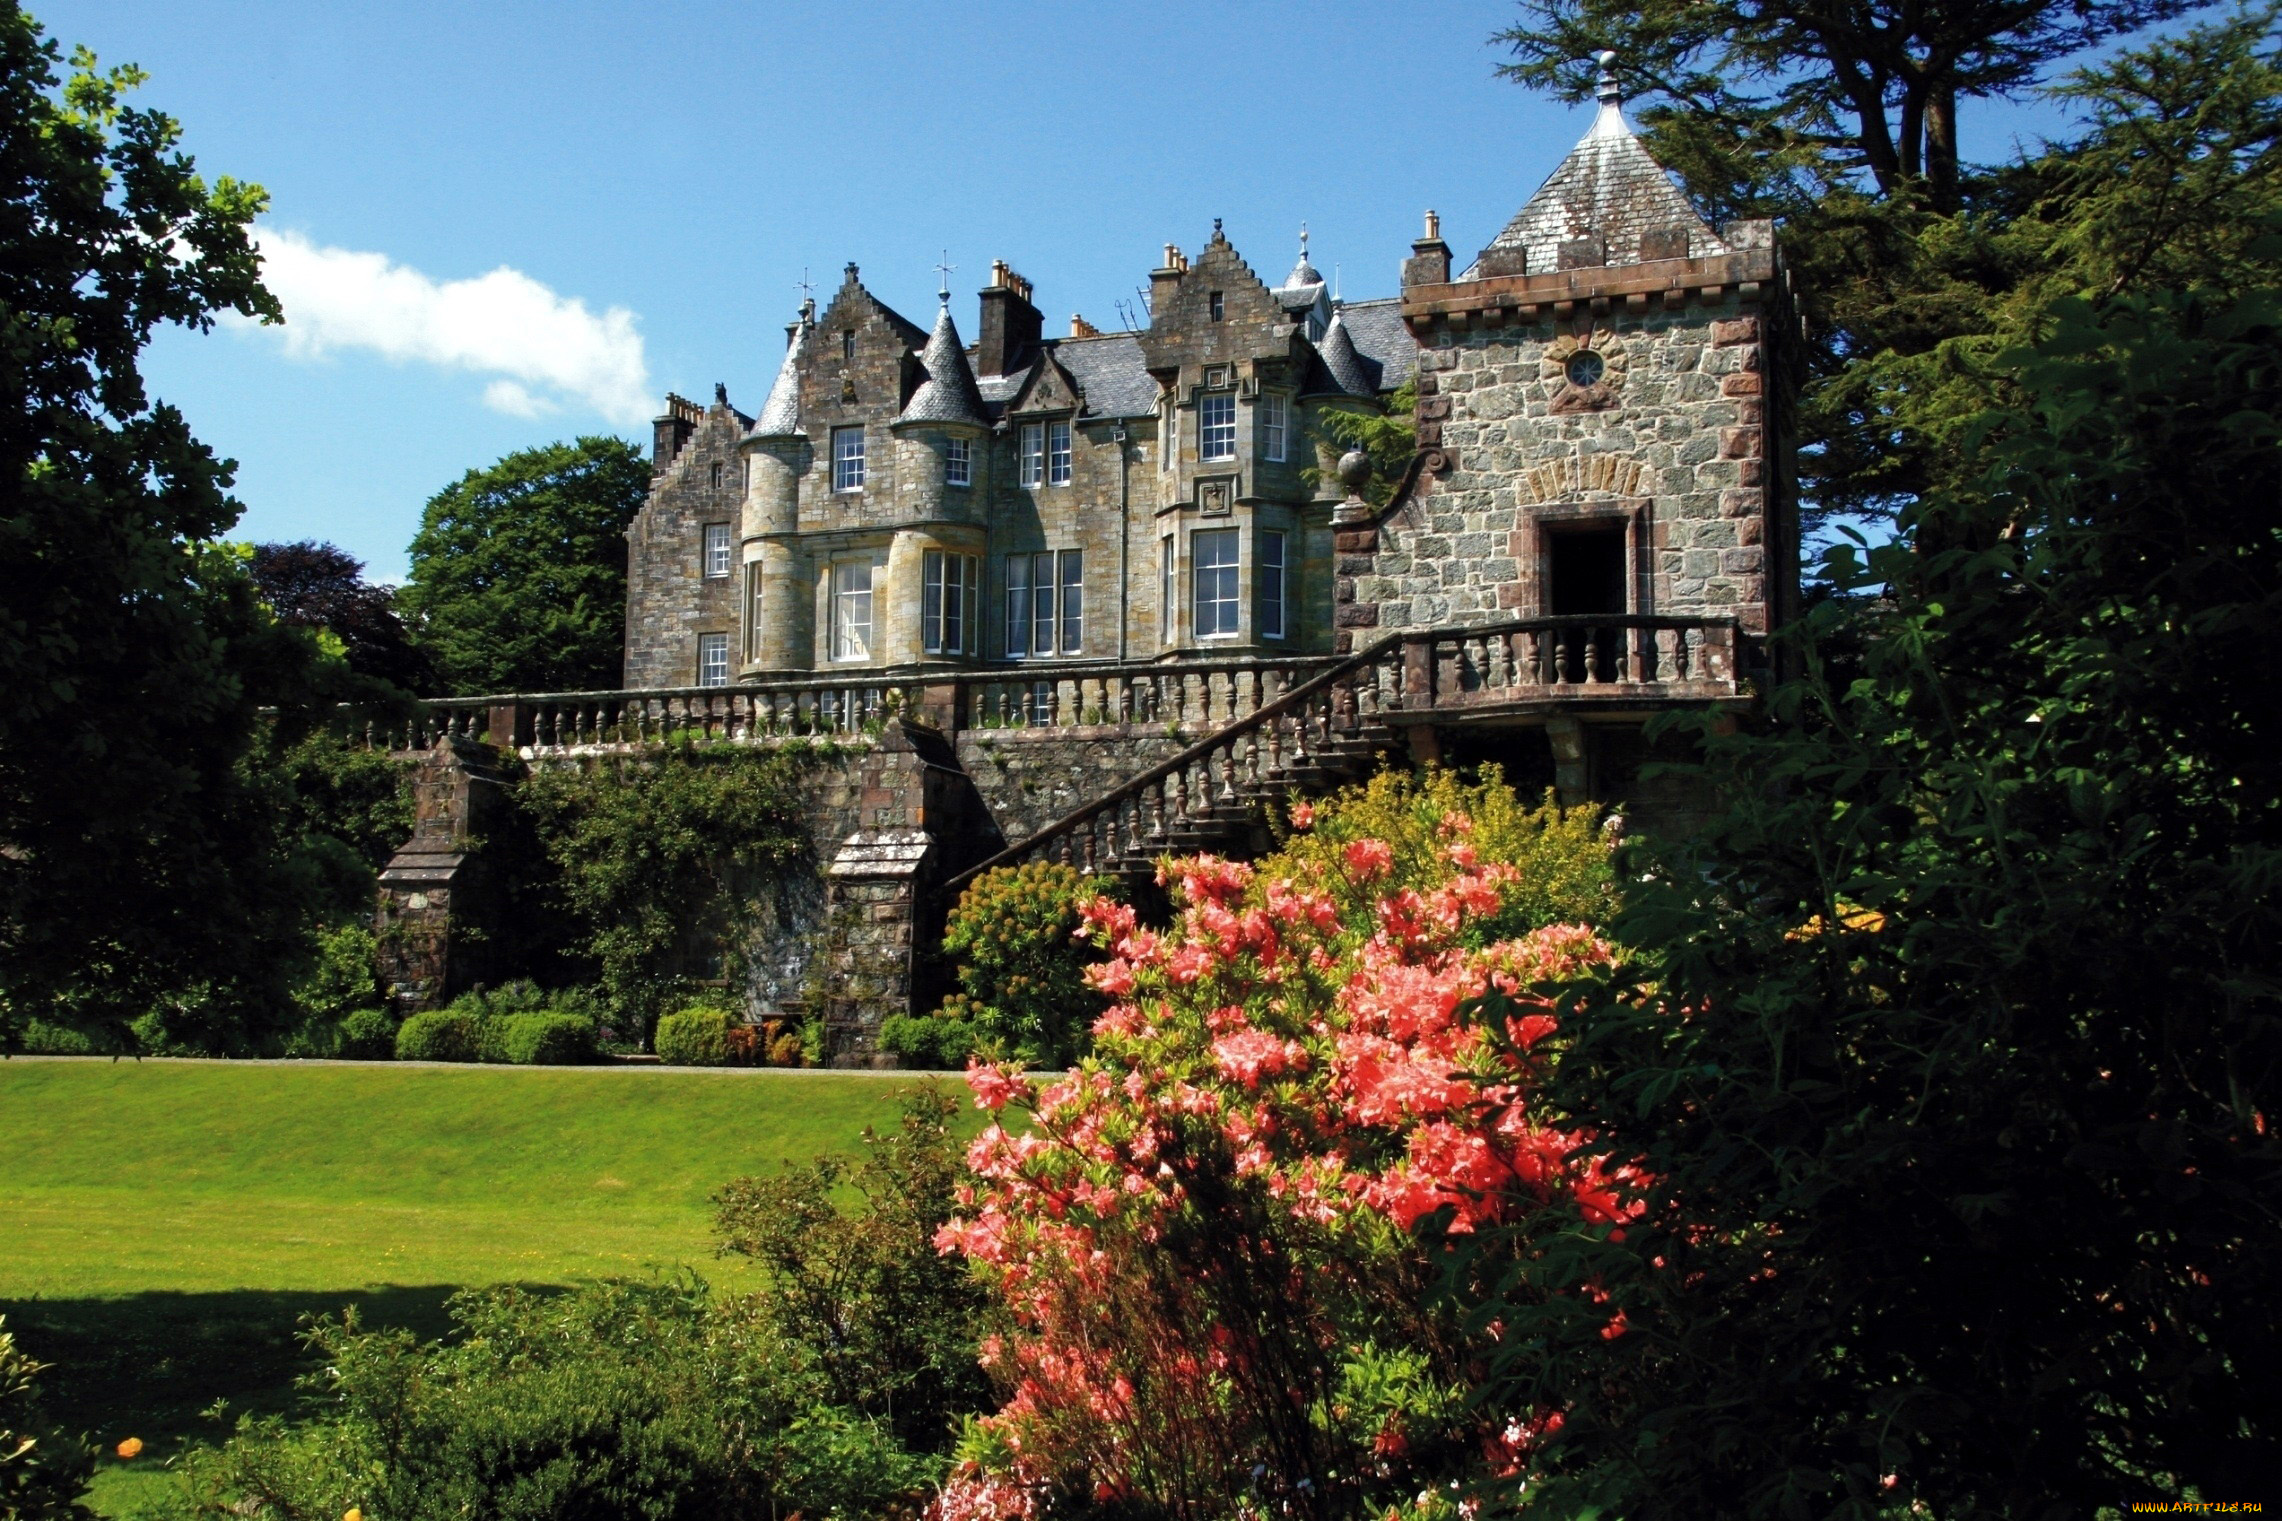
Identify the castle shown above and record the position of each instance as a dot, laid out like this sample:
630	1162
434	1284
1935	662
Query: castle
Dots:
1597	432
1108	596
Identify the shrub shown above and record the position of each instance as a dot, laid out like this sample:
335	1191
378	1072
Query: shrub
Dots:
612	1399
695	1037
440	1035
1214	1241
550	1039
367	1035
941	1041
1011	935
342	977
40	1038
42	1474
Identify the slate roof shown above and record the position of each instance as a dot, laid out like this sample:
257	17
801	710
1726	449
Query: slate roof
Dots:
780	414
948	394
1339	368
1377	331
1110	373
1607	185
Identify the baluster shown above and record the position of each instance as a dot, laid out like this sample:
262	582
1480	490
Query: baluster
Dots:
1156	795
1275	727
1595	646
1299	735
1176	789
1252	757
1227	757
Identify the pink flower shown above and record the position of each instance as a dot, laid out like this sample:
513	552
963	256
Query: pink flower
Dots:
1303	816
1370	858
1112	977
1249	1055
995	1087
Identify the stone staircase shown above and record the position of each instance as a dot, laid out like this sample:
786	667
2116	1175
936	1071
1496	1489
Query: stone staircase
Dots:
1216	795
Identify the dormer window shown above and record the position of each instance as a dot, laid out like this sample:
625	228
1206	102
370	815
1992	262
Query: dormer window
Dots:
1218	305
1216	427
959	462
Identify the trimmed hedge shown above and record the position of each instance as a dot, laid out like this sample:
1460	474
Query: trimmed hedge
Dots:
932	1042
440	1035
367	1035
549	1040
694	1038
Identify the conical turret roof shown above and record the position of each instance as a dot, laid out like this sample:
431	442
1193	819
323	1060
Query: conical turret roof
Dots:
1608	187
780	414
1348	373
948	394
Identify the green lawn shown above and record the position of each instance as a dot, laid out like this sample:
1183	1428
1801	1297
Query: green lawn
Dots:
165	1225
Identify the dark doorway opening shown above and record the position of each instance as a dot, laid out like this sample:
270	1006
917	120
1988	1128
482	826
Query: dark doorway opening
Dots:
1585	577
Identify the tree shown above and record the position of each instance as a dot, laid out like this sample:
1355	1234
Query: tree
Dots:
519	571
1861	85
1955	1050
312	585
138	854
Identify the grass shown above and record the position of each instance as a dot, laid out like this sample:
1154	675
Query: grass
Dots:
165	1226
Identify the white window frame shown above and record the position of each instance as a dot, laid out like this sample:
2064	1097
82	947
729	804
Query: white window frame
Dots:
852	609
718	551
847	462
958	462
1070	573
1226	599
1033	467
1275	426
752	611
717	475
1273	572
1045	604
1058	457
1017	626
1166	619
951	586
1169	439
1216	426
712	660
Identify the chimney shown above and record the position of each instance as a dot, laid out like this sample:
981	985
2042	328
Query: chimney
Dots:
1080	328
1011	326
1429	261
671	430
1165	282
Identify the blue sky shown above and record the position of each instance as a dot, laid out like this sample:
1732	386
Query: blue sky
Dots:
499	224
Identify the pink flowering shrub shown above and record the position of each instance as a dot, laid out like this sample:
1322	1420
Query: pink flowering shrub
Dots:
1216	1241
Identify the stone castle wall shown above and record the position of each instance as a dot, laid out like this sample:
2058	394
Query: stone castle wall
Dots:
671	601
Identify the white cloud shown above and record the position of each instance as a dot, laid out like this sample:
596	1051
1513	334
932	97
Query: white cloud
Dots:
550	351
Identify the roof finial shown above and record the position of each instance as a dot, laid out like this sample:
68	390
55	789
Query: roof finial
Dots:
1606	88
1216	227
1303	242
944	269
807	286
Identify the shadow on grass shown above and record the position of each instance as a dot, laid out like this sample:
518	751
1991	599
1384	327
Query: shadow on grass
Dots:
150	1365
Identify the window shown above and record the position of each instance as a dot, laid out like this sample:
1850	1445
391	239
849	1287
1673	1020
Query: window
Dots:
1165	591
1057	454
847	459
712	660
1045	603
1269	568
717	475
1216	427
1073	600
1274	417
1217	305
950	585
753	612
1033	453
716	551
852	610
1169	439
1212	551
959	462
848	344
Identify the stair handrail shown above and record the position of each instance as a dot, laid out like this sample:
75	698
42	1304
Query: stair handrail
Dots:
1133	786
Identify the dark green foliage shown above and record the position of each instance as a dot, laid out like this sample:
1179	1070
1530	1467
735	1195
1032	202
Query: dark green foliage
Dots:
891	1323
317	586
1965	1150
650	854
140	858
342	978
43	1473
696	1037
1021	971
610	1401
367	1035
549	1039
343	791
518	577
1390	439
940	1042
440	1035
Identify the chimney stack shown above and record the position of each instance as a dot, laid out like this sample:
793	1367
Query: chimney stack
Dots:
1011	326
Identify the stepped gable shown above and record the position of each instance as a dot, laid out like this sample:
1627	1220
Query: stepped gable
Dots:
1608	189
1182	329
1110	374
1376	329
1338	369
780	414
947	394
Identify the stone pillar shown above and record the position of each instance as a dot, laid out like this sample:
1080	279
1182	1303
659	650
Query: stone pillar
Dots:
433	891
1572	780
872	898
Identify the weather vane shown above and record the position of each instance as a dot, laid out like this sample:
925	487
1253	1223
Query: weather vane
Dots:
944	269
806	285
